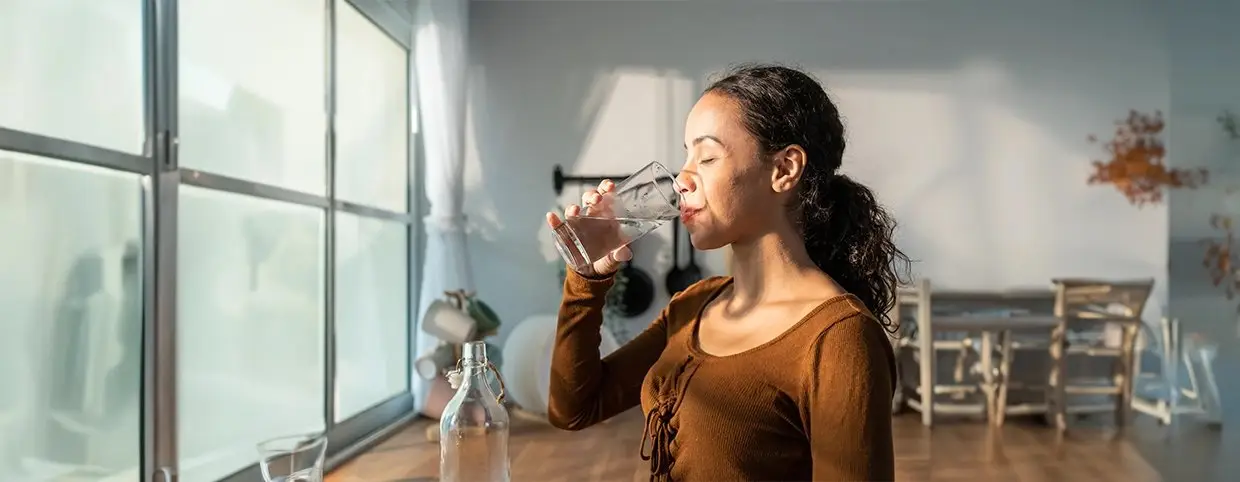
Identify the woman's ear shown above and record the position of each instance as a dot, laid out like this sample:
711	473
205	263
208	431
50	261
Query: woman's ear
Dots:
788	164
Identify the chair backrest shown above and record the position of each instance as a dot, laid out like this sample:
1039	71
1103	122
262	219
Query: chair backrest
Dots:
1103	300
916	294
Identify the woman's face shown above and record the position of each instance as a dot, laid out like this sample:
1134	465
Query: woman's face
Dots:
728	194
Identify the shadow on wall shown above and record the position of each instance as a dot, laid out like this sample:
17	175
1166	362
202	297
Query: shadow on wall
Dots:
968	118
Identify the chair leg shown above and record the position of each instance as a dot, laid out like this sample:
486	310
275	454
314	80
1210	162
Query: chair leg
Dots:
1005	370
1056	395
925	340
989	386
1127	359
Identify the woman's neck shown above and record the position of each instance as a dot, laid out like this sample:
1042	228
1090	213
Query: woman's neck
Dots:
774	267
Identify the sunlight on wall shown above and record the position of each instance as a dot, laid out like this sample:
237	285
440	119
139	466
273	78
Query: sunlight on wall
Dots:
986	194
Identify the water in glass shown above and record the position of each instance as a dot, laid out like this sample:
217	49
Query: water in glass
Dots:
638	204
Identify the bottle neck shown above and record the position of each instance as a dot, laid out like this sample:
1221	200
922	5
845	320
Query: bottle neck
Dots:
475	379
472	368
475	369
474	353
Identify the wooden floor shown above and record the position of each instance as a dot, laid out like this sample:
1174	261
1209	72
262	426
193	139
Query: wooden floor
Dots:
955	451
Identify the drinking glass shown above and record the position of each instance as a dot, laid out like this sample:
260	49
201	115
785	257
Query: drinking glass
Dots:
297	458
639	204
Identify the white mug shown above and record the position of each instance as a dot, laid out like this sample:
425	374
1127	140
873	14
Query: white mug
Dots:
447	323
431	365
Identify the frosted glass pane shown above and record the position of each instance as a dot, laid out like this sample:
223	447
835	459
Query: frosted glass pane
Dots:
71	343
250	328
252	90
372	303
372	113
73	69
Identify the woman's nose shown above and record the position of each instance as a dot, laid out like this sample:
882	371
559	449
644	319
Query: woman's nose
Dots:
685	182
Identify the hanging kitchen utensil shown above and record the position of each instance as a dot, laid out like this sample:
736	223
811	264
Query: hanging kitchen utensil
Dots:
675	280
638	290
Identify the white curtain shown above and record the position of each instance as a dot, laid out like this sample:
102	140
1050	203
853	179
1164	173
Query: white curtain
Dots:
440	33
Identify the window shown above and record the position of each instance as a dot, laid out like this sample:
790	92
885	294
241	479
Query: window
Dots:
249	327
71	354
372	171
372	114
218	277
253	89
372	312
73	70
253	272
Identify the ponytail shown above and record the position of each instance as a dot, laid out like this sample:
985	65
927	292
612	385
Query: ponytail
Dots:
852	238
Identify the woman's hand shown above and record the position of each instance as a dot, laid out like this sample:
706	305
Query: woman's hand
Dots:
597	232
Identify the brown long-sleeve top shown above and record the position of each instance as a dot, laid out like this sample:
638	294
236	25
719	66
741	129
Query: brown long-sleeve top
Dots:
814	403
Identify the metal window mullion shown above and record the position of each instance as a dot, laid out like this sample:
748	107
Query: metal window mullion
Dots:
329	369
413	232
219	182
55	148
372	212
149	463
160	231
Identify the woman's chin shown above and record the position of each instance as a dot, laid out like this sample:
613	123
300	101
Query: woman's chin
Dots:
703	241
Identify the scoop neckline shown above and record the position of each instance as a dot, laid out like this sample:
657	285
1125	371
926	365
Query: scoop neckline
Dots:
695	346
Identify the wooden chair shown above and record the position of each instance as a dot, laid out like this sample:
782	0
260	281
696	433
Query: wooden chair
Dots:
905	340
923	348
1093	304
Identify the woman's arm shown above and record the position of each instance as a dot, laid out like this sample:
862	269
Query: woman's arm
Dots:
587	389
848	405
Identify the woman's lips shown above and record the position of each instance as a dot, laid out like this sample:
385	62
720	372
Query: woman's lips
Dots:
687	214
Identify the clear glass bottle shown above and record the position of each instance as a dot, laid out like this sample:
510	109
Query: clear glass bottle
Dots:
473	431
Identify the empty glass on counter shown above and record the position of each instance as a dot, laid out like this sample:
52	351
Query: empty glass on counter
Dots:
297	458
473	430
638	205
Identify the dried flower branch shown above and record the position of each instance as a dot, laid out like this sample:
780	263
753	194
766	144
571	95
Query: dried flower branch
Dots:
1137	166
1220	259
1220	252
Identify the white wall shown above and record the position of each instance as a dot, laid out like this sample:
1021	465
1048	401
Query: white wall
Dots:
969	118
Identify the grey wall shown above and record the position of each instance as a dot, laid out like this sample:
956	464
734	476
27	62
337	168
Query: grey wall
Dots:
968	117
1205	79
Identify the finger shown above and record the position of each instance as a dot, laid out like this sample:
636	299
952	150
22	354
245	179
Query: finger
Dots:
606	186
589	198
613	261
554	221
572	210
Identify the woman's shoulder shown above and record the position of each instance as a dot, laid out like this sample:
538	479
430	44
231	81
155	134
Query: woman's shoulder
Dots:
850	335
846	318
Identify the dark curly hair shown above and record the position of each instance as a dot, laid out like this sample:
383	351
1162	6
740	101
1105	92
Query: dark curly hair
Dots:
847	233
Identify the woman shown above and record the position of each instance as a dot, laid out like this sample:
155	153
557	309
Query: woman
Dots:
781	371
